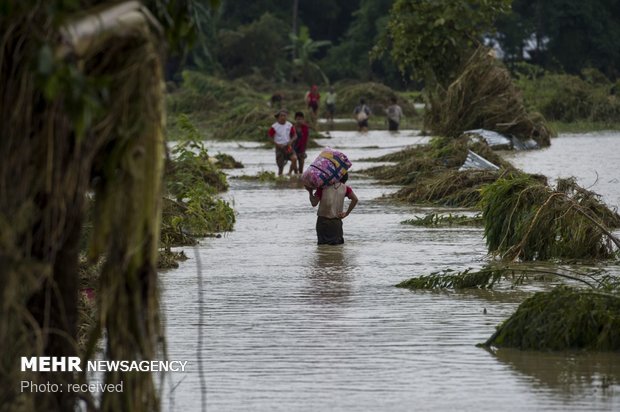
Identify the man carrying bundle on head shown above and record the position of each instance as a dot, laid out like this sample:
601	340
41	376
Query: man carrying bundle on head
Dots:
330	199
283	136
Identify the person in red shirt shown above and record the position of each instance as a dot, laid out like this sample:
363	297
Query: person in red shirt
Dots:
303	132
329	216
313	99
283	136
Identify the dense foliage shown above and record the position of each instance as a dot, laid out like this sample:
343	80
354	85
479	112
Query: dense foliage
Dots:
430	39
248	37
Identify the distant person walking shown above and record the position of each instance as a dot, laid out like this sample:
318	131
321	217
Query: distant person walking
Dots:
283	136
394	115
302	130
313	99
329	216
362	113
330	103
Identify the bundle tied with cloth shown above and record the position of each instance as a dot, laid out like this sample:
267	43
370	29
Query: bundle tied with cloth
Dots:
328	168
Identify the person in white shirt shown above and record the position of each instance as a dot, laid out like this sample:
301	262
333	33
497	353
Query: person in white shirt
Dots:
394	115
283	135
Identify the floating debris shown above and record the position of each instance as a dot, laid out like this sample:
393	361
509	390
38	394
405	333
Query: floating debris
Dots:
442	220
565	318
477	162
526	219
484	96
495	140
498	141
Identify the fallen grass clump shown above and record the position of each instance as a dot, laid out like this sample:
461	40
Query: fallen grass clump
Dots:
487	277
525	219
430	172
262	176
226	161
167	259
440	154
484	97
448	188
451	279
442	220
564	318
191	209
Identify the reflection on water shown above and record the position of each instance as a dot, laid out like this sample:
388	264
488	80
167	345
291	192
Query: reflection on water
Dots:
291	326
330	275
571	374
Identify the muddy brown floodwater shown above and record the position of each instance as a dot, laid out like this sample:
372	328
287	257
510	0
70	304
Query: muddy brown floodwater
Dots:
291	326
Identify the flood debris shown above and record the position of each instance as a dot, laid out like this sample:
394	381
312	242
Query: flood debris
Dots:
226	161
474	161
191	208
430	173
452	279
527	220
484	97
444	220
564	318
498	141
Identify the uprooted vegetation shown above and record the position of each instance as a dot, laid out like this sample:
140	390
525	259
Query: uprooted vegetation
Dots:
232	109
524	218
564	318
430	172
567	317
528	220
444	220
191	208
484	96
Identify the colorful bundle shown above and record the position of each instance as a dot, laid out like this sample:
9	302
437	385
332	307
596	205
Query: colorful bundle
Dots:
328	168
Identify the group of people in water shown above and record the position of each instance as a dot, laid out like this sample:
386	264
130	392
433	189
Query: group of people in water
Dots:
361	112
290	141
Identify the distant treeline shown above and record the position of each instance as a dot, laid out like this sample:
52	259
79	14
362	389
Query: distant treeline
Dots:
333	39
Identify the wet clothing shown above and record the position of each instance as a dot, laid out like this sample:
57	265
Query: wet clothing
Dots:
394	114
282	133
283	155
329	231
303	132
328	223
330	102
362	112
312	98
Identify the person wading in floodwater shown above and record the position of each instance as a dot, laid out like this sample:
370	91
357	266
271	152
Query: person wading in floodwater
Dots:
283	136
362	113
313	99
331	202
303	132
394	115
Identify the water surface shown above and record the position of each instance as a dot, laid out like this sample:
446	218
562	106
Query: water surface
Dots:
291	326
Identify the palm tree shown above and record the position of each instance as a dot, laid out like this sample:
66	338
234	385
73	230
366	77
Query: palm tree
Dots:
303	47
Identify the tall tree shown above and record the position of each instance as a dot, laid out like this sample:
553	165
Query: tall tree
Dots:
430	38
